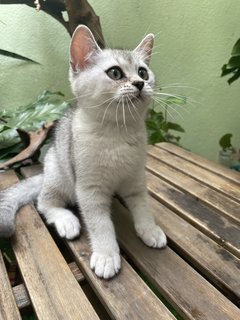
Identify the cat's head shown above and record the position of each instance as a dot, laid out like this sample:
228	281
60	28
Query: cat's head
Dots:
110	84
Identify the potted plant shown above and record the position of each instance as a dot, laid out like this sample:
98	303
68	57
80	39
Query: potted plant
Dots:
229	155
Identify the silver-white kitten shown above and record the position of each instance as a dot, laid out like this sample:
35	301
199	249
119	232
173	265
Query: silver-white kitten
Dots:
99	150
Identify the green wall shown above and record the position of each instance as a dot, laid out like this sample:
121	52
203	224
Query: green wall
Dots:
194	39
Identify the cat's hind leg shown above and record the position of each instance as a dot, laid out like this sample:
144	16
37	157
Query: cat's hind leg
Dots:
56	193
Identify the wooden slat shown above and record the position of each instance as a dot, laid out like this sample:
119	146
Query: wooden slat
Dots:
101	311
223	204
21	294
205	219
125	296
54	292
215	226
190	294
8	306
221	184
216	263
201	162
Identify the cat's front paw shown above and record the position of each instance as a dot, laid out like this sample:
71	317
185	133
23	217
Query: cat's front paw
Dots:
105	265
68	226
152	236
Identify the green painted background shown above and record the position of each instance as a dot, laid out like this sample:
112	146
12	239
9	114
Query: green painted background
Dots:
194	39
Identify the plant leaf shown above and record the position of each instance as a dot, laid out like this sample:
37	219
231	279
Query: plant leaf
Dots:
179	100
16	56
234	77
175	126
234	62
236	48
47	107
225	141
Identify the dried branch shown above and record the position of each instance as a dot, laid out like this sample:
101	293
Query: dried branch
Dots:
79	12
34	140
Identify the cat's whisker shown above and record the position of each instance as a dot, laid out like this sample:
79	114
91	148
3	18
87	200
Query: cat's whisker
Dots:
186	99
164	106
165	109
161	101
105	112
174	84
134	107
124	117
178	86
98	105
130	111
117	114
88	95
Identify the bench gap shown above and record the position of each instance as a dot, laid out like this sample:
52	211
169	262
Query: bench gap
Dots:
89	292
177	249
151	286
196	225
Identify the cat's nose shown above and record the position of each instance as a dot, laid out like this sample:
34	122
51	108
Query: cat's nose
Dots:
138	84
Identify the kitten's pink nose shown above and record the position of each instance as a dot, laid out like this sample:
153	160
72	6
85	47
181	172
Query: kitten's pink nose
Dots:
138	84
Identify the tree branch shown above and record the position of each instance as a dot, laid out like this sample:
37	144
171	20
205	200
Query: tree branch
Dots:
34	140
79	12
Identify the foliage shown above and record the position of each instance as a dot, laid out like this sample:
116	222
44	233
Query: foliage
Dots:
225	142
47	107
16	56
233	65
159	127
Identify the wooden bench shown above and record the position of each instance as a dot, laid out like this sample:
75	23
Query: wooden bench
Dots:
197	203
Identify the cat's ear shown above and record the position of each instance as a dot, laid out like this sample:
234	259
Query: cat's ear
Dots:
144	49
83	47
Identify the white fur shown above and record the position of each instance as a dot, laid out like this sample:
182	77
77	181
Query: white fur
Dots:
99	150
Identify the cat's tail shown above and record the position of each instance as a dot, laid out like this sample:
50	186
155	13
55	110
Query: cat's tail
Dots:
14	198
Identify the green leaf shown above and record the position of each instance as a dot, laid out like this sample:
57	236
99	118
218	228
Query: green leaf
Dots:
236	48
233	65
156	137
16	56
234	62
175	126
226	70
234	77
179	100
225	141
47	107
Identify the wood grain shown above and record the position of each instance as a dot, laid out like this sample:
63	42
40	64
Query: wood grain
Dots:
126	296
8	306
210	179
21	294
212	198
54	292
214	262
217	227
191	295
211	166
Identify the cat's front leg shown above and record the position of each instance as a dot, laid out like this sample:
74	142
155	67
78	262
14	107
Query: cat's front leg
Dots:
136	197
95	207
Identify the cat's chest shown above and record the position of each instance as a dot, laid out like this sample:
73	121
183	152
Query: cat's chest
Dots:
109	152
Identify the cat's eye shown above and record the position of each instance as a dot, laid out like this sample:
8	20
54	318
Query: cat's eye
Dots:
115	73
142	72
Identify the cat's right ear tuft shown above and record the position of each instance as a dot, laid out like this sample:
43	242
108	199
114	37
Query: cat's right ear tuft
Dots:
83	47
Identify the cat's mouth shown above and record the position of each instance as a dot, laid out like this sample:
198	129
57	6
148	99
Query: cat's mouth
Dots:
133	96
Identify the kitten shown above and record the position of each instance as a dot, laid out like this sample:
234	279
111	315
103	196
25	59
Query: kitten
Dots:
98	150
